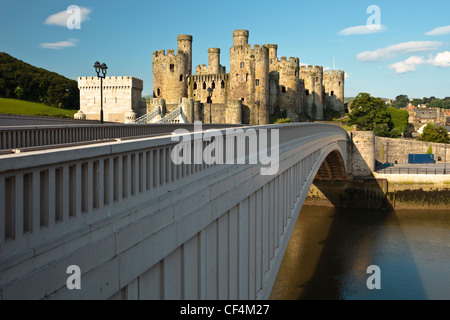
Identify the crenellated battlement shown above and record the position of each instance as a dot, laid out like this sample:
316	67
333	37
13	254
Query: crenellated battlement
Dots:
311	69
247	49
292	60
120	82
161	55
108	78
334	74
201	69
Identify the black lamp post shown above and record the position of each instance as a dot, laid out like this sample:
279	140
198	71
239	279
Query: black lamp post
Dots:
101	68
210	91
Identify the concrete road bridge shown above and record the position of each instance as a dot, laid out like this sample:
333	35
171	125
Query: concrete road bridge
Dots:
137	225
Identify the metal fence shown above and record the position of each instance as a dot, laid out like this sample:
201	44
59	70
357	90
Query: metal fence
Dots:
399	170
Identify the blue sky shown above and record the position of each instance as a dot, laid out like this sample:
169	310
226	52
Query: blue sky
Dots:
407	51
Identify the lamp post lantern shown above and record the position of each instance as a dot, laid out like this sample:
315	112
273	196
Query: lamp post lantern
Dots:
101	68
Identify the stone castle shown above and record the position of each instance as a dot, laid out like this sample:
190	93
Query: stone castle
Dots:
258	85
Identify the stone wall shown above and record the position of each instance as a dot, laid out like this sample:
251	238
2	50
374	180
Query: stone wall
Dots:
391	150
120	95
362	153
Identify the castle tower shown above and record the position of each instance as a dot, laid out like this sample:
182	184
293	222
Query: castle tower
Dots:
213	60
240	37
312	78
185	45
289	90
249	78
170	72
333	83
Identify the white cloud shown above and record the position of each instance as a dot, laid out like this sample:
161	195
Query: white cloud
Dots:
60	18
366	29
59	45
407	65
439	31
442	60
401	48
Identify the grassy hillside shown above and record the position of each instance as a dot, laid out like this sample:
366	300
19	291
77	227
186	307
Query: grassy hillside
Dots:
21	107
20	80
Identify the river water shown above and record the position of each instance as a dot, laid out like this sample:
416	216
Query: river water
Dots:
330	250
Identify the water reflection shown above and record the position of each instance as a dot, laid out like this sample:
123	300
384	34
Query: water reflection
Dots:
330	250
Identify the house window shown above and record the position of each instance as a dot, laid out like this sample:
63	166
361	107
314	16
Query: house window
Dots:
242	78
257	82
307	92
332	93
172	67
246	77
181	77
204	85
283	89
195	85
222	84
213	85
339	83
317	79
242	65
158	92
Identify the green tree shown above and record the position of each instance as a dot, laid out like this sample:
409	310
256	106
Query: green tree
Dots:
430	150
382	130
416	102
368	112
431	133
399	119
401	101
18	91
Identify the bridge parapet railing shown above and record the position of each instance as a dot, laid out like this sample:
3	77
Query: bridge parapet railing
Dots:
17	137
46	195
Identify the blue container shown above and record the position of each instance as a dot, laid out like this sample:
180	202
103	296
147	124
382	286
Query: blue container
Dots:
421	158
